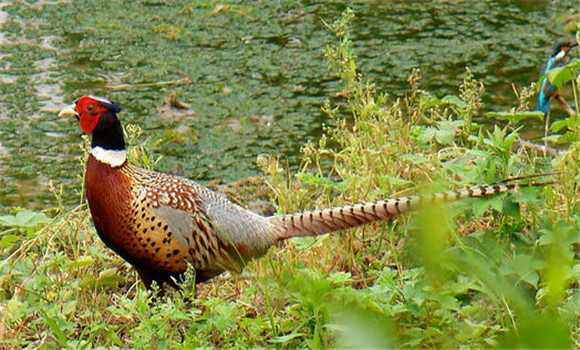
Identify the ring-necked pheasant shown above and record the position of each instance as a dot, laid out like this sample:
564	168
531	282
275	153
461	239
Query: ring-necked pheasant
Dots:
159	222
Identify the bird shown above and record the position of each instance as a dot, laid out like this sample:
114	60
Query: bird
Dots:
160	223
558	58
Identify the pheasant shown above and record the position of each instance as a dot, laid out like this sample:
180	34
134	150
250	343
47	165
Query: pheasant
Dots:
159	223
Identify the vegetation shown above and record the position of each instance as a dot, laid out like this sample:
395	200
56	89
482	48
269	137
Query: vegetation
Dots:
497	272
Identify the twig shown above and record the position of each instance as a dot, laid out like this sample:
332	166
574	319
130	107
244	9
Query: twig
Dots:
566	106
542	148
546	129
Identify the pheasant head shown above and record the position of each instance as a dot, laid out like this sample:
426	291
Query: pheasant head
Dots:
98	116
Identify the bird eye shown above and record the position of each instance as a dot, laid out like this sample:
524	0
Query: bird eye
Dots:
91	109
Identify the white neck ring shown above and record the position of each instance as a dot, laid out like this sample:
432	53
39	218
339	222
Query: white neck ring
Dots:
114	158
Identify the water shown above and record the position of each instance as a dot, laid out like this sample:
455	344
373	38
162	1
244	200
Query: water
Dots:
254	72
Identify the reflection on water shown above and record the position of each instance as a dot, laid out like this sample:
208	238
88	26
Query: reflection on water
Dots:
254	74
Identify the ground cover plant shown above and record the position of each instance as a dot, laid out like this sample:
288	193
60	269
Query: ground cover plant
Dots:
497	272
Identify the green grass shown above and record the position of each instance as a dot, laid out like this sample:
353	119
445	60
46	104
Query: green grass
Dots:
497	272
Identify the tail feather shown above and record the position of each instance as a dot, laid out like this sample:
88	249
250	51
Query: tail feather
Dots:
318	222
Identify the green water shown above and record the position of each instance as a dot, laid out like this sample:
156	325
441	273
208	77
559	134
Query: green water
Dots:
256	74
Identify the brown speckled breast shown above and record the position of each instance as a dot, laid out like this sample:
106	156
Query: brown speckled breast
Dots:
125	221
155	222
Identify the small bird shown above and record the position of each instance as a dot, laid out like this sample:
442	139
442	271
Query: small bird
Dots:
559	58
159	223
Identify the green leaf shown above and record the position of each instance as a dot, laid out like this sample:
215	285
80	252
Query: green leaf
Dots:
114	338
566	138
8	240
511	208
560	76
524	267
454	100
386	180
108	277
446	133
559	125
82	261
56	330
286	338
428	101
553	138
316	180
480	206
340	278
538	331
88	282
427	134
496	203
24	219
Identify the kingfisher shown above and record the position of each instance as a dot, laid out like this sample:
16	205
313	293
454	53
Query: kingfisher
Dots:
559	58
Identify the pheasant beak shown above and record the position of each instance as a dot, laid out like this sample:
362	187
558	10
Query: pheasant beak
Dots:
69	111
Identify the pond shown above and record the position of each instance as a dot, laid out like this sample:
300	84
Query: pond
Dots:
253	72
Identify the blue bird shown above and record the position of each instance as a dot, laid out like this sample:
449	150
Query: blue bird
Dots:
559	58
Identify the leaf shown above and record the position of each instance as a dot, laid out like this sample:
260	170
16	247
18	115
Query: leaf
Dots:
454	100
511	208
448	302
8	240
55	329
82	261
316	180
88	282
340	278
538	331
427	134
566	138
560	76
446	134
560	233
524	267
496	203
24	219
386	181
553	138
114	338
108	277
286	338
480	206
559	125
428	101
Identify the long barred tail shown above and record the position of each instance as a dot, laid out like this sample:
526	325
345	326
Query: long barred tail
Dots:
318	222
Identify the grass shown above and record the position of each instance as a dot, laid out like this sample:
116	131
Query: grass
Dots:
497	272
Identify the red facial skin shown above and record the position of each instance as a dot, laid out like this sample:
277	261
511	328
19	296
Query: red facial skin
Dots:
90	111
